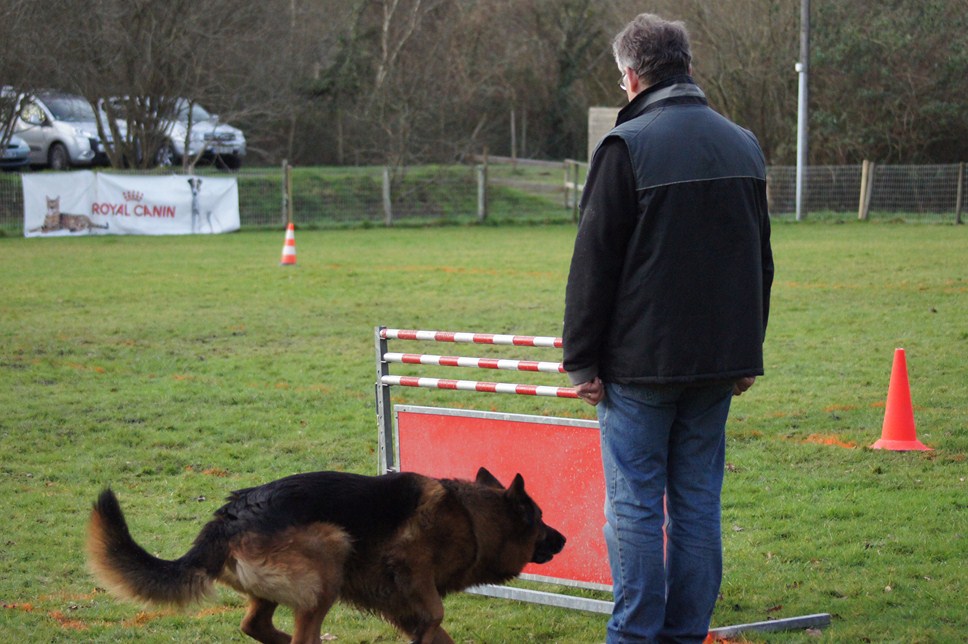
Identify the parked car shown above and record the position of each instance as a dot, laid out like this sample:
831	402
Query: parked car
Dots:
15	154
223	144
209	139
60	129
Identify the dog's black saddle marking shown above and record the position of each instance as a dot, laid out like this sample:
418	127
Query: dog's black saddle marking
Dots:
365	506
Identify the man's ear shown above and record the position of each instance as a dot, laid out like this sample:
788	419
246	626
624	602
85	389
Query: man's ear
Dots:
633	81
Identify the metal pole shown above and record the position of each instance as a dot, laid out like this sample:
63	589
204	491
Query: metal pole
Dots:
802	68
384	408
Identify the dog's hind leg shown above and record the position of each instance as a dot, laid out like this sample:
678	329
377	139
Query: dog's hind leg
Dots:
257	622
309	623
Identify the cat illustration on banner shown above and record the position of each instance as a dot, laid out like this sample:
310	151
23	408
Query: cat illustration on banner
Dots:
56	220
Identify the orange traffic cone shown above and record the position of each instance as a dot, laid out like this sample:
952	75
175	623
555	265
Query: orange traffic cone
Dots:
289	248
899	433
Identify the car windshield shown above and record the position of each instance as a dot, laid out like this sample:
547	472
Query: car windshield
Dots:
199	113
69	108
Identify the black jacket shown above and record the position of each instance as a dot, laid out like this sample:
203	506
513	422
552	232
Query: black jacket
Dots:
672	268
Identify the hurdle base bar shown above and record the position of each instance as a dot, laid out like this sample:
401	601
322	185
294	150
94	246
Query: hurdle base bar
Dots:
546	598
819	620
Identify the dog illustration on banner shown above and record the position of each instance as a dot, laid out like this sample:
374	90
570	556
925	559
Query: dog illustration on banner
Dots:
56	220
195	183
394	544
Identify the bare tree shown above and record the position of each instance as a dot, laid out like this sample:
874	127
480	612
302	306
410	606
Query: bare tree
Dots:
18	19
401	81
744	55
147	54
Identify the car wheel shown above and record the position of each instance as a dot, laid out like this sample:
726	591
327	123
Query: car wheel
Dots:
228	161
57	157
165	157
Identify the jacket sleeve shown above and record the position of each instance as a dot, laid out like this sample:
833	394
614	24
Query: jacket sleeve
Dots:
609	207
766	259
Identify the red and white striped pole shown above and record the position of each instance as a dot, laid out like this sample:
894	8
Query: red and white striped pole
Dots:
475	338
477	385
475	363
479	363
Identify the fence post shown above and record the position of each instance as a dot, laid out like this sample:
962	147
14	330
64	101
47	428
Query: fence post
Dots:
387	203
286	192
514	141
871	173
572	187
576	174
866	189
861	210
566	165
959	199
482	191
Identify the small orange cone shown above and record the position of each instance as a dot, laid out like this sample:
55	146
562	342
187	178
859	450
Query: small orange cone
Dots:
899	433
289	248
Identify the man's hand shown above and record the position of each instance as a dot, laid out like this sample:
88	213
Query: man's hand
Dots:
743	384
591	392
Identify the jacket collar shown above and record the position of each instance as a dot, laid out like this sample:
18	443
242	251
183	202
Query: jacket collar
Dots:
680	88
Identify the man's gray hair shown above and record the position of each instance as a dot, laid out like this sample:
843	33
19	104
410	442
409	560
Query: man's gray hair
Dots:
653	47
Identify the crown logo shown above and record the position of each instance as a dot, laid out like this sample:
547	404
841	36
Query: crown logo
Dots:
132	195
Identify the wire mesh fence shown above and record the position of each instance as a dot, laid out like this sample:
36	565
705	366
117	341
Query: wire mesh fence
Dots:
916	189
539	192
828	188
928	192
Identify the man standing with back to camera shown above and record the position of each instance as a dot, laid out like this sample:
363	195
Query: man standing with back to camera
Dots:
665	314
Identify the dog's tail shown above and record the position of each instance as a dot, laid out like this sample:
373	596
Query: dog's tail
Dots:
128	571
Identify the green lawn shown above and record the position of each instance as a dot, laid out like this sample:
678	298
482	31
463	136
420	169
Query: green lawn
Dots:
176	369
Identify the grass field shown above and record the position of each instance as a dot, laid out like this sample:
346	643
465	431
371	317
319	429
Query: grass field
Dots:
176	369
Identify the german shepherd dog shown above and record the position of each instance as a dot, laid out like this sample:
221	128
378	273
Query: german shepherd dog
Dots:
392	544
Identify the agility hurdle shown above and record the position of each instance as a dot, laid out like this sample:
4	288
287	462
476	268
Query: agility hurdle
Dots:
566	481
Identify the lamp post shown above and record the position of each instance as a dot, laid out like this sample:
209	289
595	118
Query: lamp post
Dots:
802	69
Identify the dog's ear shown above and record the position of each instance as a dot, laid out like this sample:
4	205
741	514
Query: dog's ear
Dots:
518	499
486	478
517	486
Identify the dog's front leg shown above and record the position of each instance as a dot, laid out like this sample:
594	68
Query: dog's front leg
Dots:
429	615
435	635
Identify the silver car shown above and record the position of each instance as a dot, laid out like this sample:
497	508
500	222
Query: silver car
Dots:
209	139
60	129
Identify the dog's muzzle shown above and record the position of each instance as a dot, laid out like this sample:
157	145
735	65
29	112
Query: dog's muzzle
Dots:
548	547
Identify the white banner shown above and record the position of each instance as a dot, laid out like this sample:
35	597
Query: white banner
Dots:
70	203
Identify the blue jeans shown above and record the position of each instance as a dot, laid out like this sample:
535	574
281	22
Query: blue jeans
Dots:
663	443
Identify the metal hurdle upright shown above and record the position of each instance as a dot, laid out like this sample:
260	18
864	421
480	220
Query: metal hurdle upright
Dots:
388	456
